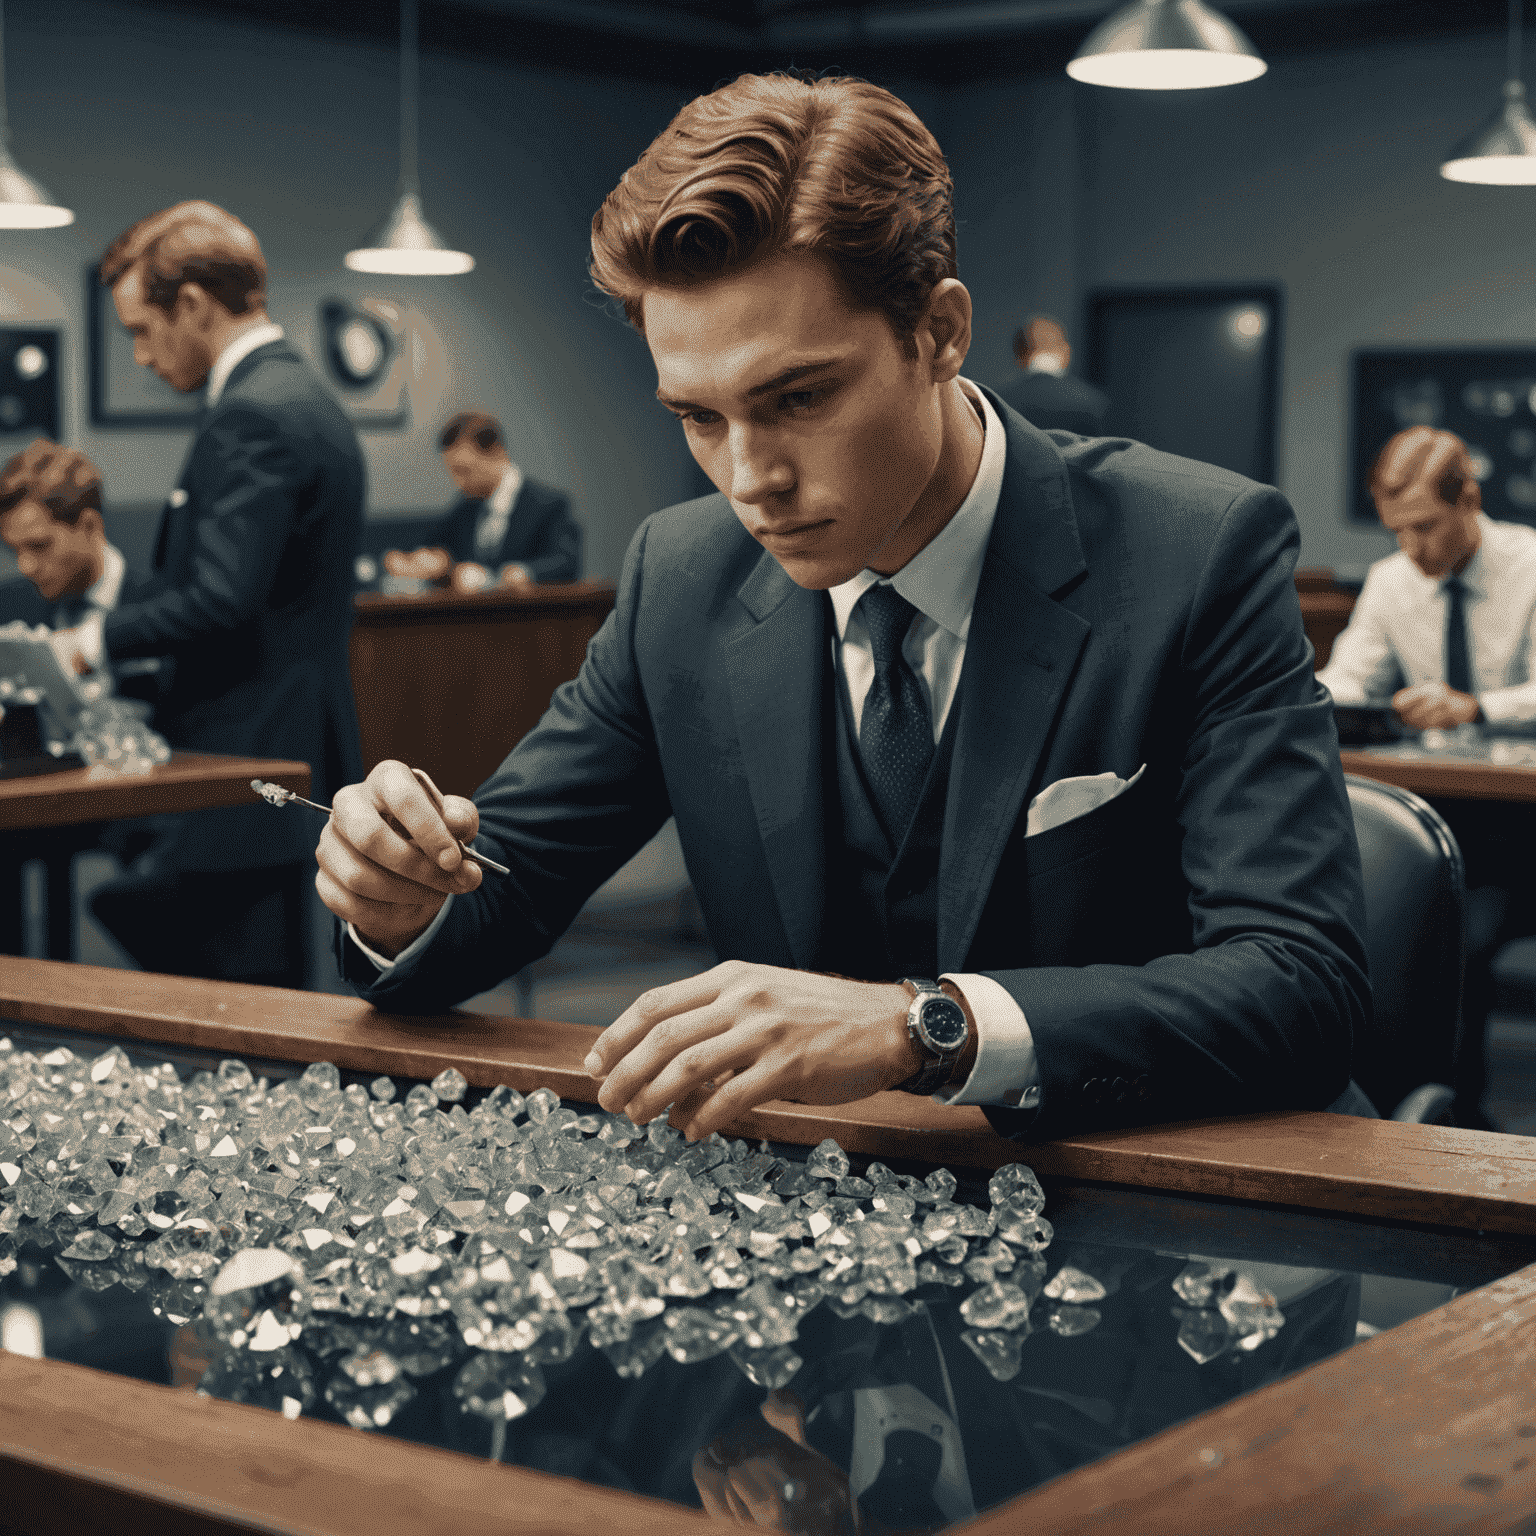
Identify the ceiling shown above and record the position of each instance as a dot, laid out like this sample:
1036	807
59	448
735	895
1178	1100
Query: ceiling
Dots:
947	41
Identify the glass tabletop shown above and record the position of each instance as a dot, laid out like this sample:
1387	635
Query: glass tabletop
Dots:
765	1330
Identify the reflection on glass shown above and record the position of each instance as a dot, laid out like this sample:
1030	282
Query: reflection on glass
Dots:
781	1336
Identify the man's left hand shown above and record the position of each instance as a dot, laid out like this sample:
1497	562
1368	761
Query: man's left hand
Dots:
719	1044
1435	707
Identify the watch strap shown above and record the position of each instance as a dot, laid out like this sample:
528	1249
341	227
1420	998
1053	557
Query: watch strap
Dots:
935	1071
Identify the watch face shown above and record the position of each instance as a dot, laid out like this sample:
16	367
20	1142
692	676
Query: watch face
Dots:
943	1021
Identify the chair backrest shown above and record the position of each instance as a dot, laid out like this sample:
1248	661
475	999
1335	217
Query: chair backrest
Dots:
1414	900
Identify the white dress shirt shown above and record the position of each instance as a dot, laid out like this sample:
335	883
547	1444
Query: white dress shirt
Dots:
100	598
491	527
940	581
235	353
1396	634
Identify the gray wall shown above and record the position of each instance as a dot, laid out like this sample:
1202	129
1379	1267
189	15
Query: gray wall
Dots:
1323	174
120	111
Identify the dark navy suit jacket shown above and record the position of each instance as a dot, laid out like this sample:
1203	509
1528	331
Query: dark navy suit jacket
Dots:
541	533
251	594
1192	947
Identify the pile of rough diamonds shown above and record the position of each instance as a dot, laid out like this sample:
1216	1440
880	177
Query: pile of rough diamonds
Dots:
394	1238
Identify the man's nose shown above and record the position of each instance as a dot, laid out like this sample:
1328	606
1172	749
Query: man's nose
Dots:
758	469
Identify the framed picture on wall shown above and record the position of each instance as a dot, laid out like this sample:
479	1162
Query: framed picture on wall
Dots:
1485	395
122	394
29	386
364	342
1193	371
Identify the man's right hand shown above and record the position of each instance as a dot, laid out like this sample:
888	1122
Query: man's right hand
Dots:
389	856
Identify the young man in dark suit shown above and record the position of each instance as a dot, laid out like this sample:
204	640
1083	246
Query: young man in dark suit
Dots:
929	695
1045	394
519	530
251	597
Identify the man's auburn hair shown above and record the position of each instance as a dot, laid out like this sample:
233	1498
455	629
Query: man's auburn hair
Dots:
62	479
196	242
779	165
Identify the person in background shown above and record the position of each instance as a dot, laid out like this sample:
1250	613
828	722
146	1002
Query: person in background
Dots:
1445	630
50	517
250	594
1046	395
505	527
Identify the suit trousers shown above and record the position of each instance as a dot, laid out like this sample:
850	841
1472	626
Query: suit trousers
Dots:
249	925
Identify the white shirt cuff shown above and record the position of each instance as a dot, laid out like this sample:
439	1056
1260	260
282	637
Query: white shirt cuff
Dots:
1005	1071
92	641
412	949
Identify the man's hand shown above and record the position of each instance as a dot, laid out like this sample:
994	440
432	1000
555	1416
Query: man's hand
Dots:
517	575
68	647
428	563
470	576
389	856
717	1045
1435	707
764	1472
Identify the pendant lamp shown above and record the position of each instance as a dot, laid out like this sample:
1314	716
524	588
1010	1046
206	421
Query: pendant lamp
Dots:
23	203
1502	153
404	243
1166	45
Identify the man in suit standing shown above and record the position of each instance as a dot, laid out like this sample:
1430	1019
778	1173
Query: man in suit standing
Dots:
1046	395
1020	735
251	597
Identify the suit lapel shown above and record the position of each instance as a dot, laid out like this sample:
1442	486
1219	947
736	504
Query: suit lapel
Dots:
1019	658
776	666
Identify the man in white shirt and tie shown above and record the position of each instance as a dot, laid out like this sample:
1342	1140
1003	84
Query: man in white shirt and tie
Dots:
1446	631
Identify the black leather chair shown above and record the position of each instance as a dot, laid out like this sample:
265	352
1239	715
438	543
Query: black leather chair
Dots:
1414	904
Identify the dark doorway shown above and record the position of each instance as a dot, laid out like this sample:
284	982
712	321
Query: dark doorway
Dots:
1193	371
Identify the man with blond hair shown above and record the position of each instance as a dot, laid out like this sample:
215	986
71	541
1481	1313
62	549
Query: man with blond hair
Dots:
250	597
998	763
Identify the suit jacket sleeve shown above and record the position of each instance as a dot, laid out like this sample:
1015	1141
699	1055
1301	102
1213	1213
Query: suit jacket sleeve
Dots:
576	799
244	510
1261	1012
558	555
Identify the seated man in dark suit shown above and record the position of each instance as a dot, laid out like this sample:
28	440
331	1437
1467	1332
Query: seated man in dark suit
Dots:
250	594
1046	395
997	760
504	527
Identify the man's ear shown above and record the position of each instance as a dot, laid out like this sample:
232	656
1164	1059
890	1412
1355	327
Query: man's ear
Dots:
91	523
947	323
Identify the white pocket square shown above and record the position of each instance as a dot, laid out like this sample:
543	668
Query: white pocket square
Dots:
1067	799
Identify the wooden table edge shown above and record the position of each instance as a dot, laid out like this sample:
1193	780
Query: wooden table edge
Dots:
1137	1489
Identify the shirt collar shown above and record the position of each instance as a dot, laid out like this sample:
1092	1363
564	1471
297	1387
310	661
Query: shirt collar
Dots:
500	500
235	353
108	588
940	580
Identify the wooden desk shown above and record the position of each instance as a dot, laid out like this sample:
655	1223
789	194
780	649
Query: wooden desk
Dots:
1325	610
37	813
452	683
1426	1427
191	781
1445	777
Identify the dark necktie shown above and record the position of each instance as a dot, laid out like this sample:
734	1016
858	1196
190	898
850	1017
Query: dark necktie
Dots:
895	732
1458	650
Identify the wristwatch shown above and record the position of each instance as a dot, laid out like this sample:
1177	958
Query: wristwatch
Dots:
936	1024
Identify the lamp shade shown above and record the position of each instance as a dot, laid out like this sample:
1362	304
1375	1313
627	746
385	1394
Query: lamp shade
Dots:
1502	152
406	244
1166	45
24	204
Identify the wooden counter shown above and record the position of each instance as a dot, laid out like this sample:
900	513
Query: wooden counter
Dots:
1444	777
1325	609
452	683
1427	1427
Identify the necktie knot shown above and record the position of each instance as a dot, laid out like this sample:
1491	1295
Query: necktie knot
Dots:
888	616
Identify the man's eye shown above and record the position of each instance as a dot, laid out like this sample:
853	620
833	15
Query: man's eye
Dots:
802	399
696	418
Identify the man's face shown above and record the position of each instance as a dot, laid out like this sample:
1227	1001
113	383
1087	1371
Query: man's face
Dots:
806	412
59	559
173	344
1437	535
476	471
